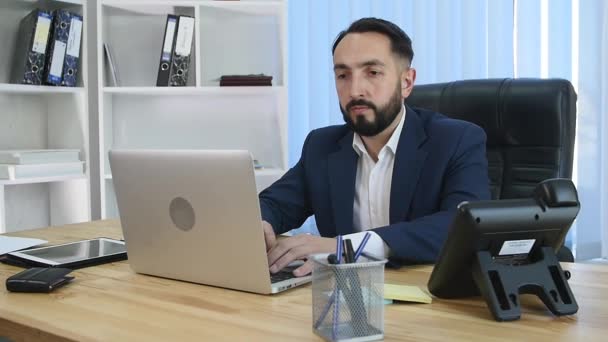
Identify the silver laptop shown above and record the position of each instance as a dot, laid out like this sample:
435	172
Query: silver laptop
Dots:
194	215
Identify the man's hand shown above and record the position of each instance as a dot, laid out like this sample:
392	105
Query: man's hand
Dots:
297	248
269	235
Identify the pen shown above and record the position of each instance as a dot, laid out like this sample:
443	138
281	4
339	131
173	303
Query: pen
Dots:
325	309
333	259
349	253
362	245
339	248
335	296
337	290
371	257
355	297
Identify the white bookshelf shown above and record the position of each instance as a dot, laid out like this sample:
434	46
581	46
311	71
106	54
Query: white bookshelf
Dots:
231	37
208	91
41	117
8	88
36	180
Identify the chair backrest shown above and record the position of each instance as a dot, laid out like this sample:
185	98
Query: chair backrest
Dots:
530	124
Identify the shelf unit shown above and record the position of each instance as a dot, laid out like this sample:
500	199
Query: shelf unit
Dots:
39	117
9	88
231	37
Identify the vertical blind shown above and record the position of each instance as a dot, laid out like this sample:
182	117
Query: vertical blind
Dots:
468	39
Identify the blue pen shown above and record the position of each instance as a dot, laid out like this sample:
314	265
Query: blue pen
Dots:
332	299
333	295
362	245
337	289
325	310
339	249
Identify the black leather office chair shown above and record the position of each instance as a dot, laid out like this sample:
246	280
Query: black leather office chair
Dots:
530	124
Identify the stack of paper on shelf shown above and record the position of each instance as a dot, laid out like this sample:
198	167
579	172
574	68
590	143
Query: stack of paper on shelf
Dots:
39	156
17	164
245	80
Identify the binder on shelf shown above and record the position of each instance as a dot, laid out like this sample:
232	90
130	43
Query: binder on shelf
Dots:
31	48
13	172
38	156
180	61
55	56
164	66
72	54
111	70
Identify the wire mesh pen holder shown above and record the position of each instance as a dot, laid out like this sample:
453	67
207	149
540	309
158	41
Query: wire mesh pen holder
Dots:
348	299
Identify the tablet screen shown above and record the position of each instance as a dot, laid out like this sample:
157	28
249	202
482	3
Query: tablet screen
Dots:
77	251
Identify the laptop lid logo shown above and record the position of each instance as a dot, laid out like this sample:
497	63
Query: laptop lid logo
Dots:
182	213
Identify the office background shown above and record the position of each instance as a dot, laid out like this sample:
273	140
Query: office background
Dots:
453	40
468	39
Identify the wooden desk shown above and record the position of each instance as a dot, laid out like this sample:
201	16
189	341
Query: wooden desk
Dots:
112	303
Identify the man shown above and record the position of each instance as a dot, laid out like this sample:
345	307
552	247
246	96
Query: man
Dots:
394	171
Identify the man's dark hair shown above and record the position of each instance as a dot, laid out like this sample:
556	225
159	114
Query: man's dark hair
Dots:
401	44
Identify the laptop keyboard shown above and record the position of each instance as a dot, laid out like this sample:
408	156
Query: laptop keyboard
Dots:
284	274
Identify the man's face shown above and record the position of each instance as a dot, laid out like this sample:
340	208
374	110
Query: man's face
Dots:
371	82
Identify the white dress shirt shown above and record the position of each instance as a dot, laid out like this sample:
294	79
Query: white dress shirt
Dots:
371	207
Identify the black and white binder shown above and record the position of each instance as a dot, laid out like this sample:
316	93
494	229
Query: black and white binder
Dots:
57	47
164	66
31	48
72	53
180	62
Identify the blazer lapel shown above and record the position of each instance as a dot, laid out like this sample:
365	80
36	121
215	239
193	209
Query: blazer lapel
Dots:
342	167
410	157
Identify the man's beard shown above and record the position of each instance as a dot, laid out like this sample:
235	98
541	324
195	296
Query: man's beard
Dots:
383	117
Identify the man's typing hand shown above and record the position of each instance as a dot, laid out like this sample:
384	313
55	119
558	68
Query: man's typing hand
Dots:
269	235
298	247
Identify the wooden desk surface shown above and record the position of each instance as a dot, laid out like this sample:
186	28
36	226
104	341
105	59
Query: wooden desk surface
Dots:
112	303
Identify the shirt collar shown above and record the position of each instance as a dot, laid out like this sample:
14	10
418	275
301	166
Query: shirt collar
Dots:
392	142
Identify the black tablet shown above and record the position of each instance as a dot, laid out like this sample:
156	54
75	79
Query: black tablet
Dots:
71	255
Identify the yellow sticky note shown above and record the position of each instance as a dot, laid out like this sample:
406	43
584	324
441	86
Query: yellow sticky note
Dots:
406	293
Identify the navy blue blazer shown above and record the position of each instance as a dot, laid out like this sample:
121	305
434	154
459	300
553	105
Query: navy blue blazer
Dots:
440	162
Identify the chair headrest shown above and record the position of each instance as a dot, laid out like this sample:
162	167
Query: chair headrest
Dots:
515	112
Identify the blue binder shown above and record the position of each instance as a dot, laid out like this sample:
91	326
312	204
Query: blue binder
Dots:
57	47
72	54
31	49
